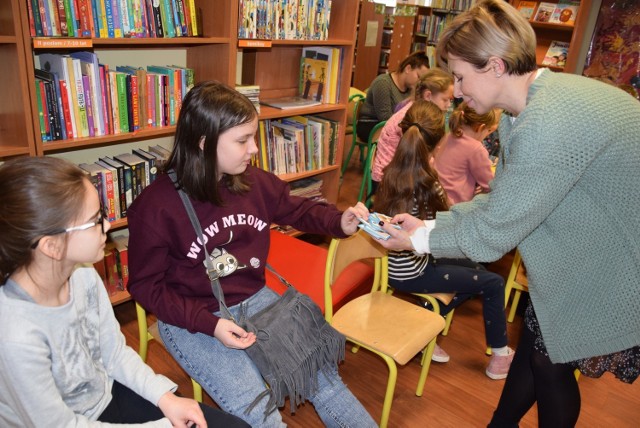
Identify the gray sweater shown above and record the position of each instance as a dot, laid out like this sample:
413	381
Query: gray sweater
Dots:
57	364
567	194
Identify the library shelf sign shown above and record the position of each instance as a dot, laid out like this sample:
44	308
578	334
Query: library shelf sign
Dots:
254	43
61	43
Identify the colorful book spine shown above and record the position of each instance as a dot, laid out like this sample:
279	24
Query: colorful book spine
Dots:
89	105
65	109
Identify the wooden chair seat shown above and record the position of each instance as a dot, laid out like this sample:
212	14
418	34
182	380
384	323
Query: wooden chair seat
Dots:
378	320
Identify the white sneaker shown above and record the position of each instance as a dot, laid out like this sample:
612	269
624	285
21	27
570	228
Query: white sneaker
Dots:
439	355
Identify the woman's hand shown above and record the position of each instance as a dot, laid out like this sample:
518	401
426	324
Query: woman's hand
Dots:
401	238
182	412
232	335
349	220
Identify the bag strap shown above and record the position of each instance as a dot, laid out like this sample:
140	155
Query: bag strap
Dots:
216	288
280	277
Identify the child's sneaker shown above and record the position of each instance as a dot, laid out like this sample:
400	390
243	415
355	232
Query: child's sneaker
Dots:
439	355
499	365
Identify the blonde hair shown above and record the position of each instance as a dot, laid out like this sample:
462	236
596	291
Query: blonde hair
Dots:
491	28
434	80
464	115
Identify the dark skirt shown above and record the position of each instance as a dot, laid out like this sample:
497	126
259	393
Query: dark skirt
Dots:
625	365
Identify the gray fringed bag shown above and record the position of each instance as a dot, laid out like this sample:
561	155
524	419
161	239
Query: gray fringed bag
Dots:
294	341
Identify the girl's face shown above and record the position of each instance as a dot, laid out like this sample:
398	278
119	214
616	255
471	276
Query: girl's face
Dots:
236	146
412	75
86	242
477	87
441	99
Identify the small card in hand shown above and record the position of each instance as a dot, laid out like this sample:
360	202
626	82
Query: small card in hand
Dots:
373	228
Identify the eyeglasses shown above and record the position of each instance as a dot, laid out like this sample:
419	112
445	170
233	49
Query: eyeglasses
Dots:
102	215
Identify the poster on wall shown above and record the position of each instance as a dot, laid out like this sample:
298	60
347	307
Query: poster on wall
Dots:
614	51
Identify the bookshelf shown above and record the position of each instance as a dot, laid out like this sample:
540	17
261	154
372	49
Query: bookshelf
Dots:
213	56
16	129
576	35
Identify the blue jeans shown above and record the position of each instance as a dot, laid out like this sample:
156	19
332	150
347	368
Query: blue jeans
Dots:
466	279
233	381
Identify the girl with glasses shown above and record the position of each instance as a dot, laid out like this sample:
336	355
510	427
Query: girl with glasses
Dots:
63	359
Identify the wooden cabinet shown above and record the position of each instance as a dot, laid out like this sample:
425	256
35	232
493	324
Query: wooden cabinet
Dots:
16	123
575	35
276	69
212	56
367	54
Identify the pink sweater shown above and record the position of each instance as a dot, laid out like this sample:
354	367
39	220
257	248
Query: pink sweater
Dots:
462	164
388	141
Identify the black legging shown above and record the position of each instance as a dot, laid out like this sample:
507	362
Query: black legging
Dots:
127	407
534	378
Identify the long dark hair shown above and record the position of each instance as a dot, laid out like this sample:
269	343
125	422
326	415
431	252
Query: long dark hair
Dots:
38	195
409	178
209	109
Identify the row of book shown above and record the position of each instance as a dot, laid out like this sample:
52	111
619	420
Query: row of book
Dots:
120	179
446	4
284	19
79	97
114	267
113	18
297	144
564	12
252	92
432	25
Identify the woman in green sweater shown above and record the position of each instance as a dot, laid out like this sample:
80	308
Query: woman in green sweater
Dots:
565	193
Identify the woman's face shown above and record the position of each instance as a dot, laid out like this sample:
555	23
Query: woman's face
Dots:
441	99
236	146
477	87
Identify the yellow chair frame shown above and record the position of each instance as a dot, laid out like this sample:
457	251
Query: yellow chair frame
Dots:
516	282
392	328
147	333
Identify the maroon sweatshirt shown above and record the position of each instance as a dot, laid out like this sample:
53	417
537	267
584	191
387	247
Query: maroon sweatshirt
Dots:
166	262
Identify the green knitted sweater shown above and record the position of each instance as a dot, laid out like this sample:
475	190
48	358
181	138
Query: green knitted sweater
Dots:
567	194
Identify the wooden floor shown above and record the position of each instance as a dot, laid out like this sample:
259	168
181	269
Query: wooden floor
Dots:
457	394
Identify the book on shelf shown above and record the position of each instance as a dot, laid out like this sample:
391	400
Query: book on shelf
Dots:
252	92
556	55
565	12
544	12
290	19
126	182
526	8
102	179
121	246
115	178
319	73
289	102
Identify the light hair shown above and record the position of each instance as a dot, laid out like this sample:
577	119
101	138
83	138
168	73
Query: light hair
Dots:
434	80
464	115
490	28
415	60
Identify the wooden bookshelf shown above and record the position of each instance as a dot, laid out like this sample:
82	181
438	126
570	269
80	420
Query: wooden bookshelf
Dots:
273	64
574	34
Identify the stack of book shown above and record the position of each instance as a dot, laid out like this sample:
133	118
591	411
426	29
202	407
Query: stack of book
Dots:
284	19
309	188
320	74
78	97
252	92
113	18
120	179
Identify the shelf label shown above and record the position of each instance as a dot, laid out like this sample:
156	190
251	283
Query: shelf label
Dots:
61	43
254	43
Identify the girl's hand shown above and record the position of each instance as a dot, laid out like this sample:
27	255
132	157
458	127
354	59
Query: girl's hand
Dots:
349	220
232	335
182	412
408	222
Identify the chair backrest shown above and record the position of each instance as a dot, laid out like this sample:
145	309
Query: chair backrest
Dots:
353	110
343	252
